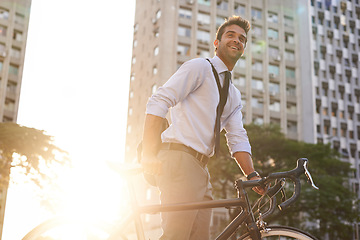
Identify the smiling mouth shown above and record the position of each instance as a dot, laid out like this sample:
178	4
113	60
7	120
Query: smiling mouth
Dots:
235	48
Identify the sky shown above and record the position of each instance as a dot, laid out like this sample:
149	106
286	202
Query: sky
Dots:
75	87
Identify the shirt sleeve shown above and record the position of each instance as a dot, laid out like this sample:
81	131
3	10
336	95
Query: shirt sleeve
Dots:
185	80
236	134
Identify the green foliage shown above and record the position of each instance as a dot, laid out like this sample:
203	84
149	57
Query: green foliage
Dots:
328	211
28	149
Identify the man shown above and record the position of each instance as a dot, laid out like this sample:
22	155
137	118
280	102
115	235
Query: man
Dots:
180	165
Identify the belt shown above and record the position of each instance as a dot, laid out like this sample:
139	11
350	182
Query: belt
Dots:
203	159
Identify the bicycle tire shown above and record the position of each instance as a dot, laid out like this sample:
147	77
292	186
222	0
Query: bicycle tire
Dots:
58	224
281	232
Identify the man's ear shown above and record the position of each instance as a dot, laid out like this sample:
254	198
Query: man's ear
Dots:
216	43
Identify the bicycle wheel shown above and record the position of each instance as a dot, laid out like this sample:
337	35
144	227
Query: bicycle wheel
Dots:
281	233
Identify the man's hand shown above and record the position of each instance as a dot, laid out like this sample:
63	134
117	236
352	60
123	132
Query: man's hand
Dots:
151	165
258	190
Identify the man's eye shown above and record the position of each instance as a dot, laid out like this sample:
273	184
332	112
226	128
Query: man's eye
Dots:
243	40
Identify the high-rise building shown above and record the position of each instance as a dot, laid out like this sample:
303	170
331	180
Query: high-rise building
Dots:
300	68
335	45
14	21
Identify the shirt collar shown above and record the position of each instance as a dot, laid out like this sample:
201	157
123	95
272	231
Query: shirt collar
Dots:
219	65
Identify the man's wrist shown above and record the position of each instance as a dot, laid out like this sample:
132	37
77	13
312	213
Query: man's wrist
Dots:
253	174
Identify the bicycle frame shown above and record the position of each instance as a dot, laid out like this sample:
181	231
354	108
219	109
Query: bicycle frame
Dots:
245	216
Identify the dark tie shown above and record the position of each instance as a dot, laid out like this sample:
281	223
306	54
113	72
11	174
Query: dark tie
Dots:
220	108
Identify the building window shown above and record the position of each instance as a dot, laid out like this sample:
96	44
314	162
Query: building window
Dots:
203	18
257	84
184	31
153	88
222	4
258	47
325	111
136	28
2	31
274	88
132	77
239	81
1	65
14	52
130	111
14	70
289	55
155	70
204	2
272	17
288	21
11	87
220	20
239	9
273	69
9	105
17	35
291	108
273	51
257	66
258	120
274	106
256	13
257	102
273	34
156	51
203	36
183	50
289	38
133	60
4	14
185	13
204	53
158	14
241	63
290	90
19	19
290	73
256	31
292	127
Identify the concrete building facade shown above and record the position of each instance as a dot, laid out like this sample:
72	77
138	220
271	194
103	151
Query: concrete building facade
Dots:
14	21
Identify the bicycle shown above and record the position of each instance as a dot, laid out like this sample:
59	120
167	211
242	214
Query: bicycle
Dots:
256	227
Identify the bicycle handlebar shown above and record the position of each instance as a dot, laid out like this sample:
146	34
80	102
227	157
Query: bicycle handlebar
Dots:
294	175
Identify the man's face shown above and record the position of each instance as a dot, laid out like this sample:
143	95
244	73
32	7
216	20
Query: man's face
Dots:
232	44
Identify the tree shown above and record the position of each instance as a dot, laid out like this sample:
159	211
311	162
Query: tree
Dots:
28	149
329	211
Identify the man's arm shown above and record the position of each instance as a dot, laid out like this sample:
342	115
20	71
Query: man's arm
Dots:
245	162
151	143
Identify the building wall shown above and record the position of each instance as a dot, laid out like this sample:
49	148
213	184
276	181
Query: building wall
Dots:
14	21
335	44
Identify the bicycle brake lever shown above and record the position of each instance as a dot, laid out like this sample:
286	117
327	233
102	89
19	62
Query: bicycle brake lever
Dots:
308	175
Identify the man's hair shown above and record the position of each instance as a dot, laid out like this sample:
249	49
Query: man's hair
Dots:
234	20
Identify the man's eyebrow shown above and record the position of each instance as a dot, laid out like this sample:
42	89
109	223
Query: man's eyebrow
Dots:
231	31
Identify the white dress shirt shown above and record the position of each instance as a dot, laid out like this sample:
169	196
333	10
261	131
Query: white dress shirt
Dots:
192	95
